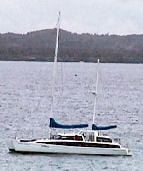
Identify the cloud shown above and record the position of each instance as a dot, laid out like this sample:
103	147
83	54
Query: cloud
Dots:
94	16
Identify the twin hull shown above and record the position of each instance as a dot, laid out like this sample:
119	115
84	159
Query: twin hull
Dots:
31	147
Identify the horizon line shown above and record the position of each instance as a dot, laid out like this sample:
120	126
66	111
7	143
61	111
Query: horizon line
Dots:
73	32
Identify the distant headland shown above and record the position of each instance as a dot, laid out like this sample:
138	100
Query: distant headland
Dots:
73	47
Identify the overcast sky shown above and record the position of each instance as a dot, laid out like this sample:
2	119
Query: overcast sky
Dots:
81	16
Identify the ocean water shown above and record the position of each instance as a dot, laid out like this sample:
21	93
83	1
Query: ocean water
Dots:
25	96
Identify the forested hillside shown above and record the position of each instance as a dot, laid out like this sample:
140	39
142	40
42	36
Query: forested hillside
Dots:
39	46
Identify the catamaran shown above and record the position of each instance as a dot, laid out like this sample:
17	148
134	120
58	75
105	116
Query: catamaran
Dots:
90	142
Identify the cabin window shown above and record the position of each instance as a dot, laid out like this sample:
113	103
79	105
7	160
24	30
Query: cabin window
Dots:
67	138
76	137
55	137
102	139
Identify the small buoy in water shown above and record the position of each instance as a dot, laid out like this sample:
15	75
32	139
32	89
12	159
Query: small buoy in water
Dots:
93	92
75	75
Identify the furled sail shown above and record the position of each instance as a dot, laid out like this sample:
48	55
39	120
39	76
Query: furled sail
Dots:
54	124
95	127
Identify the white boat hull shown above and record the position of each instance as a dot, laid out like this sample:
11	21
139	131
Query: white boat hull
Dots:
31	147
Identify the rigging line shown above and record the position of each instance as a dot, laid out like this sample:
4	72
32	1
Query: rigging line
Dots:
96	91
62	86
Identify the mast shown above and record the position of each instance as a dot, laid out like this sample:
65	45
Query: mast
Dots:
96	91
57	37
55	68
55	62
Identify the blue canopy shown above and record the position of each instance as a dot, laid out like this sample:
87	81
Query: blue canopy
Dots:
94	127
54	124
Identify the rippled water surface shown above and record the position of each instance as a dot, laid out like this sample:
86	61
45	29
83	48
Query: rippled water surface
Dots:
25	95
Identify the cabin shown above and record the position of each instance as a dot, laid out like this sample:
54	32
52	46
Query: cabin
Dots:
85	136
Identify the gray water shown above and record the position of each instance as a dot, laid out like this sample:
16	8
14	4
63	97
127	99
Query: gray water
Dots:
25	94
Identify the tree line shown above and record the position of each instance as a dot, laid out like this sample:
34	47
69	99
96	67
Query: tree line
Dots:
73	47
